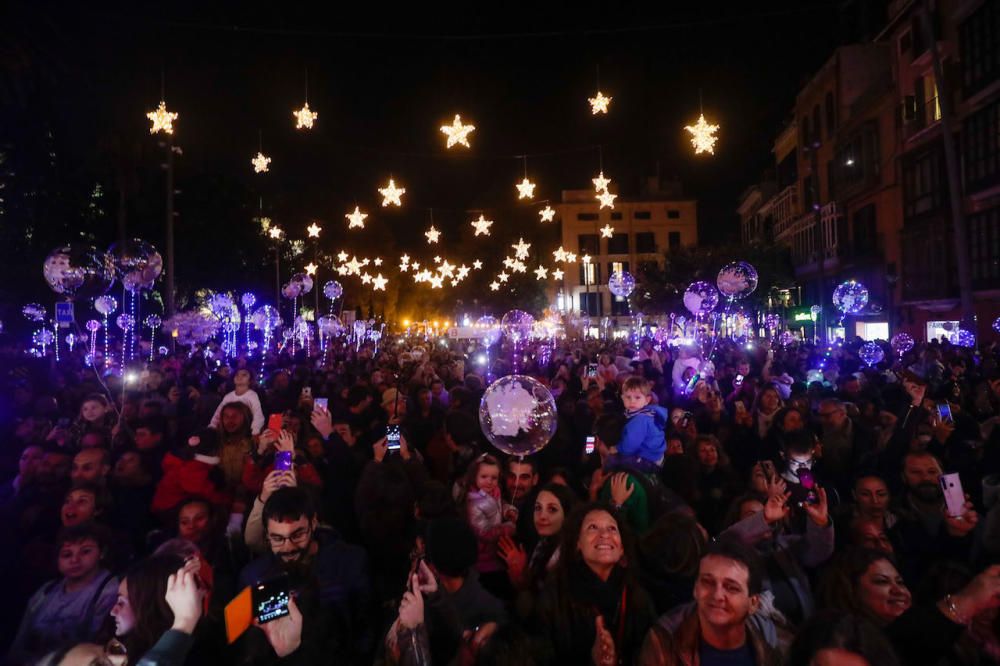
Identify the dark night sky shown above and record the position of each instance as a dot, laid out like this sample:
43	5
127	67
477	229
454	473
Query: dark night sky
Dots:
383	87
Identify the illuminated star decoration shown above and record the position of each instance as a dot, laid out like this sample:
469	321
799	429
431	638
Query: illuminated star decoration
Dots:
457	132
304	117
377	261
378	283
391	194
342	257
607	199
260	163
494	286
601	183
482	226
525	189
313	230
432	234
607	231
311	268
703	136
163	120
357	218
366	278
275	232
557	274
436	282
560	254
521	249
541	273
599	104
477	264
547	214
503	277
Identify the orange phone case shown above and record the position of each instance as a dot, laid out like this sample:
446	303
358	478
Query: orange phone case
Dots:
239	615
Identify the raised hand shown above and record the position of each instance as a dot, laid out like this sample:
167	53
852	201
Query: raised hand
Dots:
184	599
285	633
411	608
776	507
819	513
603	651
621	488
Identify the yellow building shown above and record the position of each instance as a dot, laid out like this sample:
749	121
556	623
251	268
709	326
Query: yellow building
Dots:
641	232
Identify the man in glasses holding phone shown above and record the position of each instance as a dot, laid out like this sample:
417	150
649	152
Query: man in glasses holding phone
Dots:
317	562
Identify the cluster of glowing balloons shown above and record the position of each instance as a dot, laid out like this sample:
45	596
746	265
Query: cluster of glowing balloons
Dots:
82	271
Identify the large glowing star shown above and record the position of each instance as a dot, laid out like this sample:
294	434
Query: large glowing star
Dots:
541	273
457	132
607	231
311	268
547	214
379	282
521	249
432	235
599	103
356	219
260	163
163	120
558	274
275	232
703	136
525	189
313	230
390	194
494	286
600	183
607	199
477	264
304	117
560	254
342	257
482	226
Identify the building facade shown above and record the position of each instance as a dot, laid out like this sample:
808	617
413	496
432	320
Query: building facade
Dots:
642	231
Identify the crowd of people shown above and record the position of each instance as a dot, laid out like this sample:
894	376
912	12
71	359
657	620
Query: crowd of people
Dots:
768	505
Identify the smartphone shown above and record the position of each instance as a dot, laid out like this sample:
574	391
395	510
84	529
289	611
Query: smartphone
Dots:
270	599
691	383
944	411
683	423
954	498
307	392
283	461
275	422
589	446
738	381
321	403
392	437
808	481
592	370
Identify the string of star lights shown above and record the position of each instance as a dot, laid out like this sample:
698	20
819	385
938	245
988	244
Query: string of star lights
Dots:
458	133
261	162
526	188
702	133
305	117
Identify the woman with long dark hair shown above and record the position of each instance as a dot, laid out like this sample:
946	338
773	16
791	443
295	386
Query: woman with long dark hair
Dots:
141	611
592	608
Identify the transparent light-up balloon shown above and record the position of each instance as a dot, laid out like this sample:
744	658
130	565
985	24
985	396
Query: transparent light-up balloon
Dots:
517	415
902	343
787	338
137	263
126	322
291	290
736	280
78	271
963	338
266	318
333	290
33	312
303	279
491	329
701	298
621	284
772	321
516	325
850	297
105	305
871	353
93	325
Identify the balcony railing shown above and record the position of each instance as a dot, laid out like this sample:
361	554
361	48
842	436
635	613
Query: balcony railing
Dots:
784	209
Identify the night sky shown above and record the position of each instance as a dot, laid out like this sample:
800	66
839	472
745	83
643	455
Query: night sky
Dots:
382	86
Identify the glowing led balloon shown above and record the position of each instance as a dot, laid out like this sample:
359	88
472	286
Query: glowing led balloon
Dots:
153	321
850	297
516	325
137	262
93	325
736	280
106	305
266	318
222	306
330	326
963	338
303	279
902	343
291	290
701	298
78	271
126	322
621	284
248	300
787	338
772	321
33	312
871	353
333	290
518	415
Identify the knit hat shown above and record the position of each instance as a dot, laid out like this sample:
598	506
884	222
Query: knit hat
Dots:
451	546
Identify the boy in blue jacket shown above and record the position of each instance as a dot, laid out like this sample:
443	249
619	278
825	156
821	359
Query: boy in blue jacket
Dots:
643	443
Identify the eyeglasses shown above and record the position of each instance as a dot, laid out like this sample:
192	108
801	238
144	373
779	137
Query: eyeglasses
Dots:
298	537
